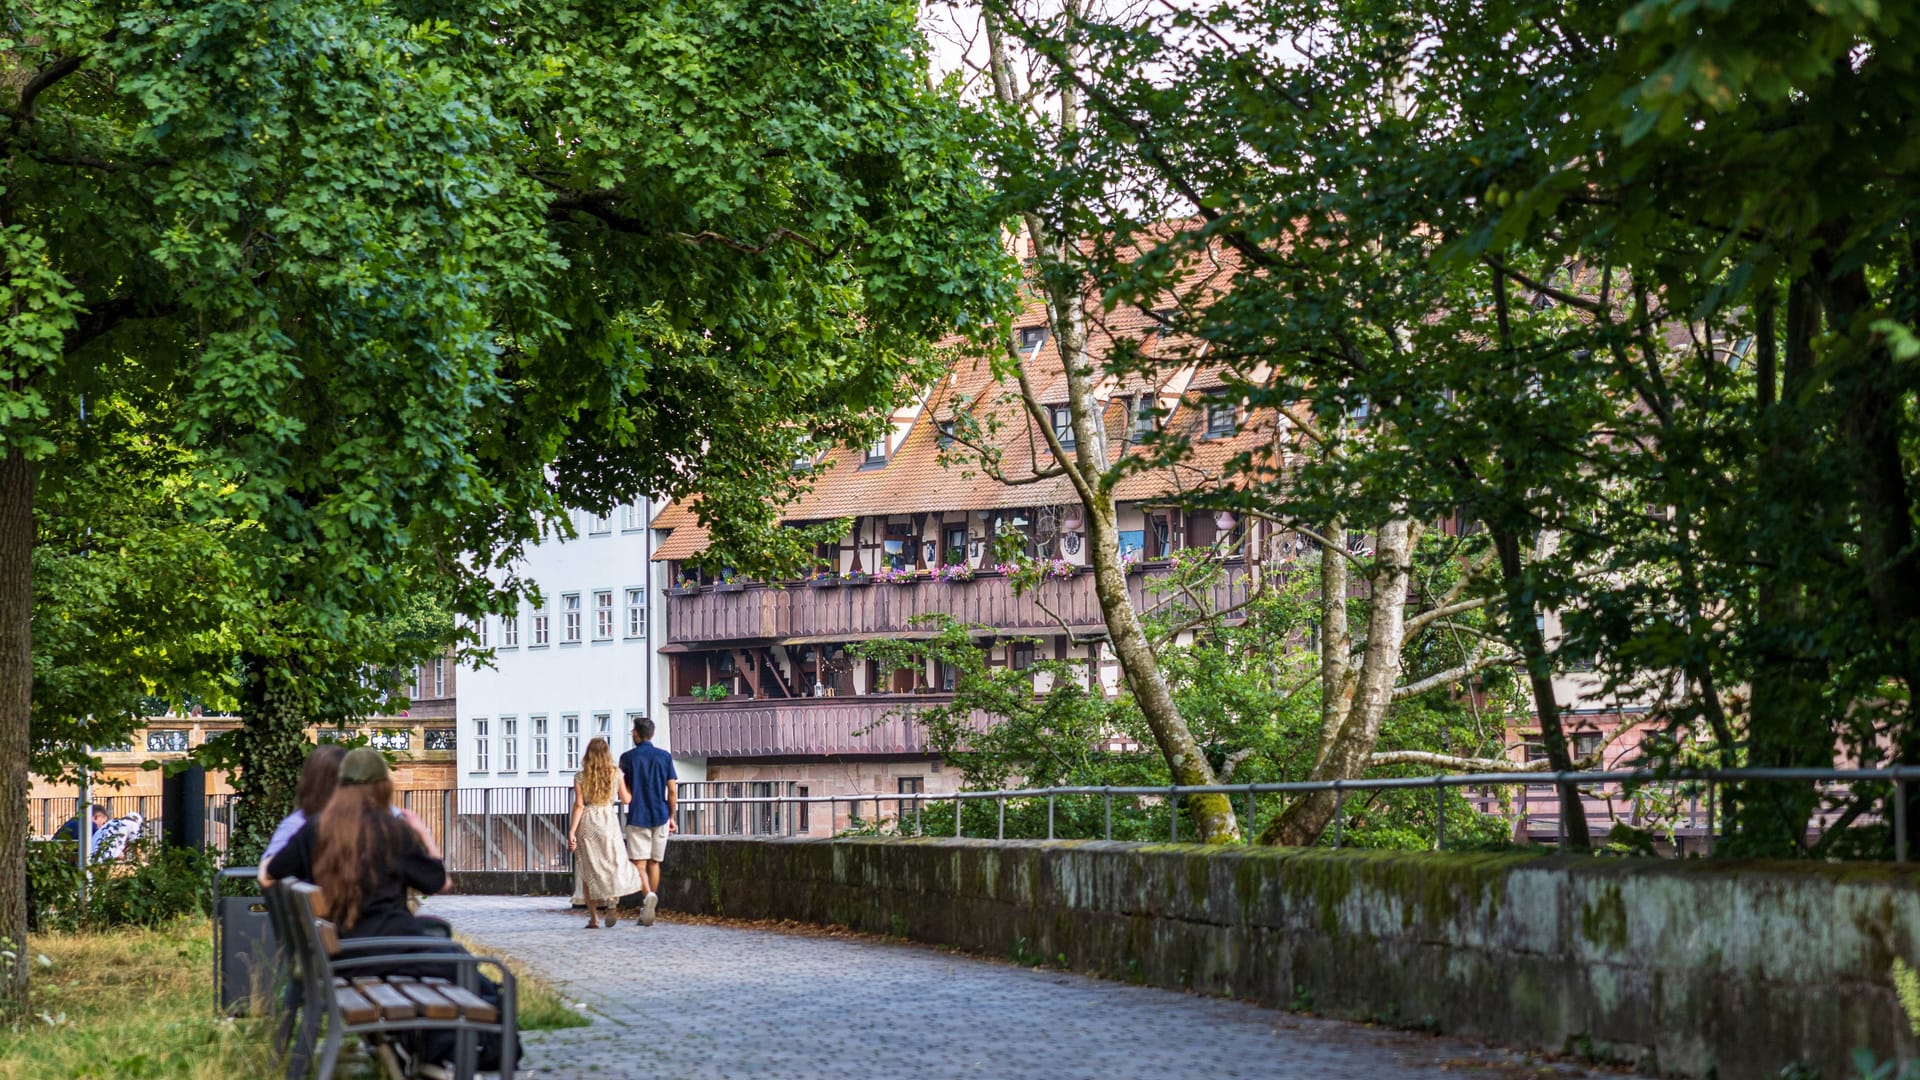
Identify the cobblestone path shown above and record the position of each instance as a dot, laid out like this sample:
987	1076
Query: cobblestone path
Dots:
682	1000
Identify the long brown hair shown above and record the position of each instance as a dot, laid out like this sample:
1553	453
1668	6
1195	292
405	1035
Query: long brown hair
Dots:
318	777
596	774
356	841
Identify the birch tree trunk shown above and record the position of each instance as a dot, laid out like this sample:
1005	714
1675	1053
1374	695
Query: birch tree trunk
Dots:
1358	700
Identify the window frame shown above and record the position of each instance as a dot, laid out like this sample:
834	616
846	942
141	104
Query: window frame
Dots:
537	735
509	746
542	626
599	524
510	630
572	620
603	615
1215	408
1060	418
570	732
636	613
482	745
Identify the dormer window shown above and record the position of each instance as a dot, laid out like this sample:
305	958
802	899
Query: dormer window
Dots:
1222	416
945	436
1031	338
877	453
1061	416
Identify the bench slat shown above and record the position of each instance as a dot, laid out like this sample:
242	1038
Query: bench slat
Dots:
394	1004
472	1005
354	1008
432	1004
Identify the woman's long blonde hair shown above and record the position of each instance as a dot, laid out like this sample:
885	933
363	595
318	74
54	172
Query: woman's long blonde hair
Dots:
596	774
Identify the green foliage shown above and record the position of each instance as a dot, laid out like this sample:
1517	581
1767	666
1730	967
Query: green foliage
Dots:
153	886
1906	982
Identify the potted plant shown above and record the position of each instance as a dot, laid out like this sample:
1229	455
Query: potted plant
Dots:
1131	562
821	579
729	582
855	578
888	575
955	572
687	585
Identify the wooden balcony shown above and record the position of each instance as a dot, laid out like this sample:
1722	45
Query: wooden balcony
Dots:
757	727
765	614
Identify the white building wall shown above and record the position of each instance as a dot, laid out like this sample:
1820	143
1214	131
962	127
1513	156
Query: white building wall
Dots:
524	720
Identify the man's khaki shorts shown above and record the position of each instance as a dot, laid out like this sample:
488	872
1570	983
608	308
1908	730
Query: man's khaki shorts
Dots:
647	845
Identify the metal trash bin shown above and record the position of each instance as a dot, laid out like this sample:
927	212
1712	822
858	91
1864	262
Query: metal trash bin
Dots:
245	954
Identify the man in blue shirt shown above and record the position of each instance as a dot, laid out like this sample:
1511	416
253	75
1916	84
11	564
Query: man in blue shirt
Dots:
656	794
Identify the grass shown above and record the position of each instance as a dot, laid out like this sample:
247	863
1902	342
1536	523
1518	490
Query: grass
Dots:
139	1003
130	1003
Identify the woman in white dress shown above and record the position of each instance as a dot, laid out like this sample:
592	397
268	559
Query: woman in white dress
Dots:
602	874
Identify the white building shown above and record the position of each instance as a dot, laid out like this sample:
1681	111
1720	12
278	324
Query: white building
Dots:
580	663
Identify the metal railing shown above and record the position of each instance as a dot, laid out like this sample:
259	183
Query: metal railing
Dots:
525	829
1602	788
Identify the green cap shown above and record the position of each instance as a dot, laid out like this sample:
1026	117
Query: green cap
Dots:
363	765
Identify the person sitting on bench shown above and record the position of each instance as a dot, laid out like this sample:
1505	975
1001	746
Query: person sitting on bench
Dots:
364	858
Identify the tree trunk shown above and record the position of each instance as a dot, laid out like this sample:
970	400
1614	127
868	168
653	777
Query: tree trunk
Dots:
1364	695
272	746
1533	652
1770	820
1211	816
16	709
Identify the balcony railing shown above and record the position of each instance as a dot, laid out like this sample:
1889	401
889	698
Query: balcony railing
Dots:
868	724
845	612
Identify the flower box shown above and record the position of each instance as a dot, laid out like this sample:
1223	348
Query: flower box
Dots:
682	590
730	586
824	581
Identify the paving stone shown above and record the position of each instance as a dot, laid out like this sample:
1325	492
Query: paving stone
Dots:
699	1000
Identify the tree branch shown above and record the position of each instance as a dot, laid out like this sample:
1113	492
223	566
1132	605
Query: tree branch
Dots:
1451	675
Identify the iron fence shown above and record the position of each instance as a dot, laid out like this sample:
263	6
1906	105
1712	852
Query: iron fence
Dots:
1605	798
525	829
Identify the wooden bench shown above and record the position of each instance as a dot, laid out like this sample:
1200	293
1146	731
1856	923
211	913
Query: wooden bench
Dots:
337	991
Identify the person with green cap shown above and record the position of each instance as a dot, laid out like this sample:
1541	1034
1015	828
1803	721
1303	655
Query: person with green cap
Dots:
364	856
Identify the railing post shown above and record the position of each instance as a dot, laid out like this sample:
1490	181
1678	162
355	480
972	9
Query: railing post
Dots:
447	822
1250	823
526	840
1173	816
1710	816
919	825
1002	800
1439	816
956	814
1560	841
1899	819
486	827
1339	812
1106	794
1049	816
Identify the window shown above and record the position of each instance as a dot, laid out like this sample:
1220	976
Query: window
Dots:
945	436
510	631
480	629
440	678
1585	743
571	724
636	613
603	727
945	675
877	453
1020	655
509	744
632	715
599	524
956	538
1132	542
1031	338
633	516
801	791
910	785
1145	417
1221	417
570	619
539	743
542	629
1061	417
481	744
603	615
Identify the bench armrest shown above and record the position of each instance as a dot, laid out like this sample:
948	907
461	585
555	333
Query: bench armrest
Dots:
449	959
404	944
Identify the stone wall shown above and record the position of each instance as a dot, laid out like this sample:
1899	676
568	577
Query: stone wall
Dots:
1682	967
